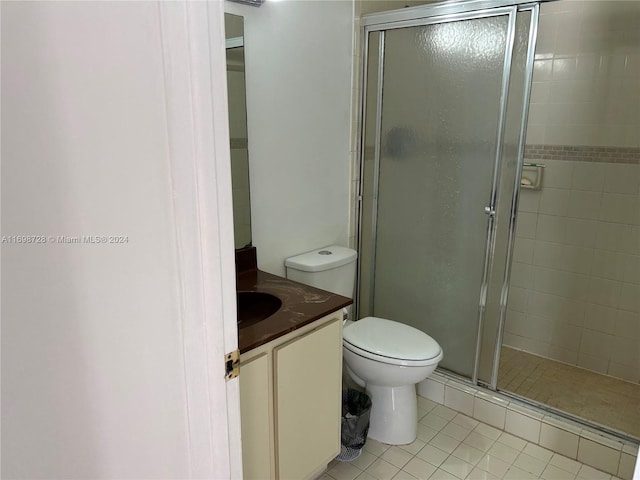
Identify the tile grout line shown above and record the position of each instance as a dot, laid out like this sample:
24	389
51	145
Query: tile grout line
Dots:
384	456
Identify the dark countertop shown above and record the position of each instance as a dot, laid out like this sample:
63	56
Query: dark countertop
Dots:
301	305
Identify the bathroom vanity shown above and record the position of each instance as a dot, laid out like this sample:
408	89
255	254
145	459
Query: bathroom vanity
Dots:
290	378
290	402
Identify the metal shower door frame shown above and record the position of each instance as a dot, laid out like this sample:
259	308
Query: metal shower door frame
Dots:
429	15
534	8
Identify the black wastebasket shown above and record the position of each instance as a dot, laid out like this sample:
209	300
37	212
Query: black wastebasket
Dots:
356	409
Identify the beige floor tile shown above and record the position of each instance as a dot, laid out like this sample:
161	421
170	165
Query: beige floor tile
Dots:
589	473
396	456
344	471
402	475
365	476
445	412
493	465
488	431
468	453
421	413
445	442
456	431
538	452
504	452
593	396
464	421
414	447
374	447
479	474
516	473
433	455
442	475
434	421
554	473
457	467
565	463
426	433
419	468
382	470
512	441
364	460
479	441
426	404
443	457
530	464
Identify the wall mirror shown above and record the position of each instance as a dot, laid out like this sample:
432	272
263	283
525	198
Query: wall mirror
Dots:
234	31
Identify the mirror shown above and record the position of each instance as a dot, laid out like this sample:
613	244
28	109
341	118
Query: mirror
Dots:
234	32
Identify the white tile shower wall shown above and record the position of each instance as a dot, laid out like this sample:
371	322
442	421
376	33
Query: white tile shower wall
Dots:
587	74
547	433
575	288
575	293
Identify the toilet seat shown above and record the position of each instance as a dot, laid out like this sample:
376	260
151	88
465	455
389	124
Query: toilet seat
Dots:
390	360
391	342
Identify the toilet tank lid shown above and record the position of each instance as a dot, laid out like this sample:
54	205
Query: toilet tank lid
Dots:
321	259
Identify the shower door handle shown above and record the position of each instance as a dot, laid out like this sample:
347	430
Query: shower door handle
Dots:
490	211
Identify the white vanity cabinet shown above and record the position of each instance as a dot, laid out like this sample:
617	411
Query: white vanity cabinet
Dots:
255	417
290	395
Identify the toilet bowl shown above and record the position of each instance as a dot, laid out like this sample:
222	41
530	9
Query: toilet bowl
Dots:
388	359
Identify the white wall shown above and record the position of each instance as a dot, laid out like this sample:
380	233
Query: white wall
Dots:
298	74
93	370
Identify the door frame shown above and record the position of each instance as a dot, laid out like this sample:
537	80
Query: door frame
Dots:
193	45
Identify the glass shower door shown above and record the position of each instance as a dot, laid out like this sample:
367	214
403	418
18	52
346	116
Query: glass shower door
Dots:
431	186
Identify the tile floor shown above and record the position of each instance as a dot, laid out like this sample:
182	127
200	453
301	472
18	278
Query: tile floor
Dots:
599	398
452	446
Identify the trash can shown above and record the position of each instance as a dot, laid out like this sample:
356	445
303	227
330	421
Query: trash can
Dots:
356	409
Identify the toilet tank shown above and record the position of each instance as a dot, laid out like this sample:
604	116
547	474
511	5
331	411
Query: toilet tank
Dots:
330	268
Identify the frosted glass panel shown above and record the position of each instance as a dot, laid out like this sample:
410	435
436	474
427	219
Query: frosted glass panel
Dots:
440	115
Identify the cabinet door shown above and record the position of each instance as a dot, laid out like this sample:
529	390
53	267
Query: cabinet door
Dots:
308	401
255	411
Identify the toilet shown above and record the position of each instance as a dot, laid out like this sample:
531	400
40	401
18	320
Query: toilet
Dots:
385	357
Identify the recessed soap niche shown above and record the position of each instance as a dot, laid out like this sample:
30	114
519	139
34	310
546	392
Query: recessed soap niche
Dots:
532	174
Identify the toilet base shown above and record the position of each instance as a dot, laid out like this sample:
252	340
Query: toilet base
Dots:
394	414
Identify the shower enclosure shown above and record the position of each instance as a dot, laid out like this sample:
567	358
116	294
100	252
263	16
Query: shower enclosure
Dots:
445	111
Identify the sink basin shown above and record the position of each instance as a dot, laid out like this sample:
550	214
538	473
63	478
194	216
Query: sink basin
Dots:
254	307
